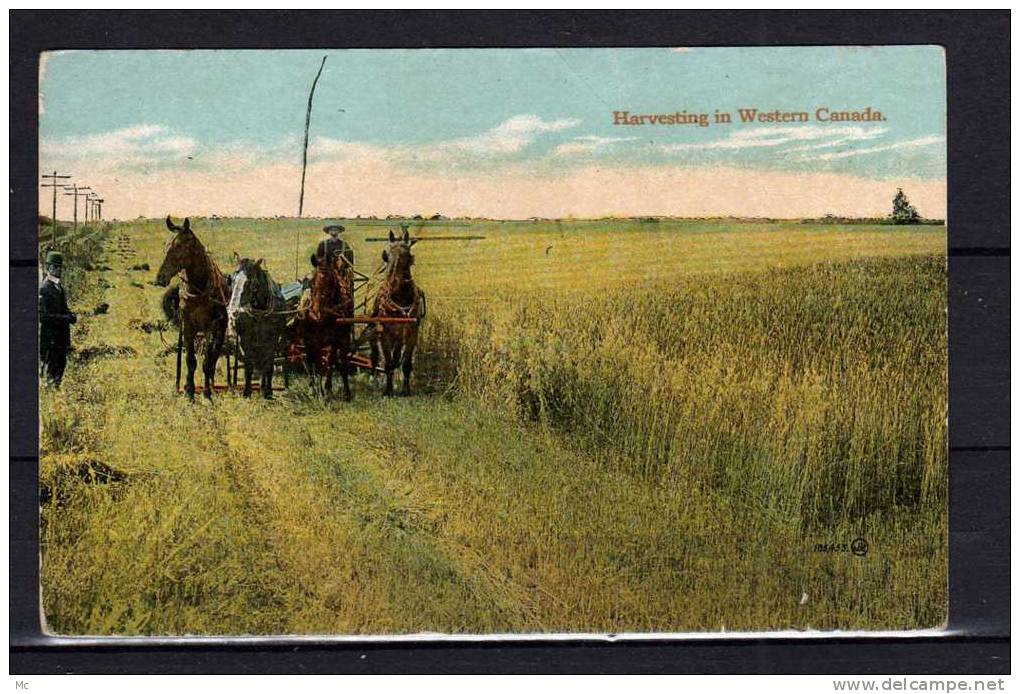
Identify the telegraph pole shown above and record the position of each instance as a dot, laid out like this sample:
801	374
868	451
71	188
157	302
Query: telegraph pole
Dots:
99	210
78	192
54	185
90	207
304	151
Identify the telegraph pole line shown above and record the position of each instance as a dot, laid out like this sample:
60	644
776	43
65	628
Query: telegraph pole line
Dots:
54	185
78	192
90	207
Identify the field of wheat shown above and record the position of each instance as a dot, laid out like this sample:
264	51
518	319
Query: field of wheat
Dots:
618	426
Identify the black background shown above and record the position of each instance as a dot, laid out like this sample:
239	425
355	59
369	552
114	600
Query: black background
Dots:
977	55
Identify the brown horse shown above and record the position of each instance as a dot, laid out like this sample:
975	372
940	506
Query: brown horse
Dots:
398	297
203	301
318	337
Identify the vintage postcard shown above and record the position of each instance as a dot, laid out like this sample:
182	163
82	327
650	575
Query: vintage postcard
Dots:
371	343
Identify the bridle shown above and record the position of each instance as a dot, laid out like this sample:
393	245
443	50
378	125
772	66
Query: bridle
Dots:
189	292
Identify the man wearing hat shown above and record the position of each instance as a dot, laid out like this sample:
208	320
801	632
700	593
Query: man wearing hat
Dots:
55	320
334	245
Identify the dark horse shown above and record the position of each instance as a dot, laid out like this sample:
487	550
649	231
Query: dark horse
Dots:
398	297
256	313
202	306
318	337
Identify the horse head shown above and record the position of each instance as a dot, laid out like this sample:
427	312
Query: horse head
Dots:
180	250
398	256
256	291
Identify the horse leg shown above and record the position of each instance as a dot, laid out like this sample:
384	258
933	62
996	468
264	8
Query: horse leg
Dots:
373	344
392	363
212	355
345	368
192	363
328	366
406	364
311	370
387	361
248	366
267	381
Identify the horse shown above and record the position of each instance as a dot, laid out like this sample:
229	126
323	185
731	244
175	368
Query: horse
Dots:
201	303
318	337
397	297
256	315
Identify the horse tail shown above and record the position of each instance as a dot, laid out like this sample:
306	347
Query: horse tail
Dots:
172	305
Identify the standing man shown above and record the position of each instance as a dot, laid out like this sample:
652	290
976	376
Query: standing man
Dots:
55	320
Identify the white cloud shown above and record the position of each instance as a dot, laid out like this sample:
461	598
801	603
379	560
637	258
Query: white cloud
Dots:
133	146
588	144
510	136
904	144
331	149
681	49
773	136
472	175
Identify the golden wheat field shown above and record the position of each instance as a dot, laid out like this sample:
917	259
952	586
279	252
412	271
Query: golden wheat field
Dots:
618	426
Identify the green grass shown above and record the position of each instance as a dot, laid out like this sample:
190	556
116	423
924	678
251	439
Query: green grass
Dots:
649	428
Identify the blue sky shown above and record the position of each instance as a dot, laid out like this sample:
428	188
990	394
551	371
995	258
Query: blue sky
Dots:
492	113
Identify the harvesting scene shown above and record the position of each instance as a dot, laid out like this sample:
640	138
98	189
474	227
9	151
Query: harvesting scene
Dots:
430	342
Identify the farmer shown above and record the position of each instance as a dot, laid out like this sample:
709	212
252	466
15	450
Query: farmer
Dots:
334	245
55	320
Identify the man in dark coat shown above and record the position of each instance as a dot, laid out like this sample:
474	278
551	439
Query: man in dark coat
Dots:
55	320
334	245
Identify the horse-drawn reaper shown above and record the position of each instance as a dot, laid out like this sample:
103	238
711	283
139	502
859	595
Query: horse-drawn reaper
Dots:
324	328
249	318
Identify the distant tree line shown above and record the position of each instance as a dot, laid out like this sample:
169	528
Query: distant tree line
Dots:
902	213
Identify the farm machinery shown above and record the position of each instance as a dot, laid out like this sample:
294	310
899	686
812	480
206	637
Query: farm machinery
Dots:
365	289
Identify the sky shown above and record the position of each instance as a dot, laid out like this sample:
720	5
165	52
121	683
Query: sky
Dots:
508	133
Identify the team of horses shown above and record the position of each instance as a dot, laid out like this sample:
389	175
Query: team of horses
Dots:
247	306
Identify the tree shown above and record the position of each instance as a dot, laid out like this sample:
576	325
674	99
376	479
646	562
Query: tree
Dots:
902	211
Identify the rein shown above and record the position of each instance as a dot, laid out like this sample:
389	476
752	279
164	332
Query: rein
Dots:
387	303
188	290
316	308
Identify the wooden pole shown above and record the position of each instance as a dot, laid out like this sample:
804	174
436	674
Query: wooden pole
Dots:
54	185
75	194
416	239
382	320
78	191
304	152
304	166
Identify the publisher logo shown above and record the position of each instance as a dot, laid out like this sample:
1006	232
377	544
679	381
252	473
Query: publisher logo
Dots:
859	547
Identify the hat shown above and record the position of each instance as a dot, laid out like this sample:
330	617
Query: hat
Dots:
331	227
55	258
